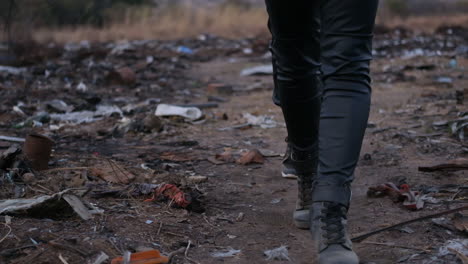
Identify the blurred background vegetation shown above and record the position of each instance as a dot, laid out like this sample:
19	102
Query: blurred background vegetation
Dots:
65	20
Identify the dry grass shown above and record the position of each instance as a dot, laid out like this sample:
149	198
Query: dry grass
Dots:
227	21
173	23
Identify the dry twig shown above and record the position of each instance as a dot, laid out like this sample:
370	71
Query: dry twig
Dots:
362	237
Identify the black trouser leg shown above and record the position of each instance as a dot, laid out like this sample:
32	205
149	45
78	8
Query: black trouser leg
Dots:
346	45
296	53
338	34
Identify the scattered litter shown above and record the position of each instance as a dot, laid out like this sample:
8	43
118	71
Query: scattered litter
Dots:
185	50
280	253
148	222
87	116
120	48
37	149
82	87
269	153
443	79
12	139
411	199
101	258
12	70
228	253
48	206
58	106
191	113
263	121
258	70
276	200
240	217
407	230
146	257
457	126
176	197
251	156
459	246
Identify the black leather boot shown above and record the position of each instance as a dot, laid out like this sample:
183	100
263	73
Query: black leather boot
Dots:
302	164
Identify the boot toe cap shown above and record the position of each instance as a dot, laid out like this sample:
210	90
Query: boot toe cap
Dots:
337	254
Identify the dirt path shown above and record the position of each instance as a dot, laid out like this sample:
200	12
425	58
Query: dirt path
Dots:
247	208
255	190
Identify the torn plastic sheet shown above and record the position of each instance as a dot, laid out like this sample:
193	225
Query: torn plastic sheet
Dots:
87	116
58	205
263	121
228	253
280	253
454	245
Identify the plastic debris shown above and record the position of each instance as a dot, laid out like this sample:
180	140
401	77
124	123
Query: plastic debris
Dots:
58	106
87	116
192	113
258	70
446	80
410	199
457	126
12	139
263	121
228	253
454	245
146	257
280	253
101	258
185	50
12	70
120	48
82	87
48	206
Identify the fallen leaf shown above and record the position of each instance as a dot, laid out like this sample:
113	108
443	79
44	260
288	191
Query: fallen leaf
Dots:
226	156
252	156
179	157
112	172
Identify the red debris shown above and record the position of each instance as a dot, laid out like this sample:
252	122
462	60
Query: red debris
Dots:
171	192
410	199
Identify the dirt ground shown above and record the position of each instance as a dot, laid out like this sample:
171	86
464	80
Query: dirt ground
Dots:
244	207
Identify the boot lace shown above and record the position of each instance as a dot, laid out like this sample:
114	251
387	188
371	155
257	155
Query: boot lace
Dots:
334	230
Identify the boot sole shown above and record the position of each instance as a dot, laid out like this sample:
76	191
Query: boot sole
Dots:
302	225
288	176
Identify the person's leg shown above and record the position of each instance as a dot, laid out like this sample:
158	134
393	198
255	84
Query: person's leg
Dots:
346	46
295	49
